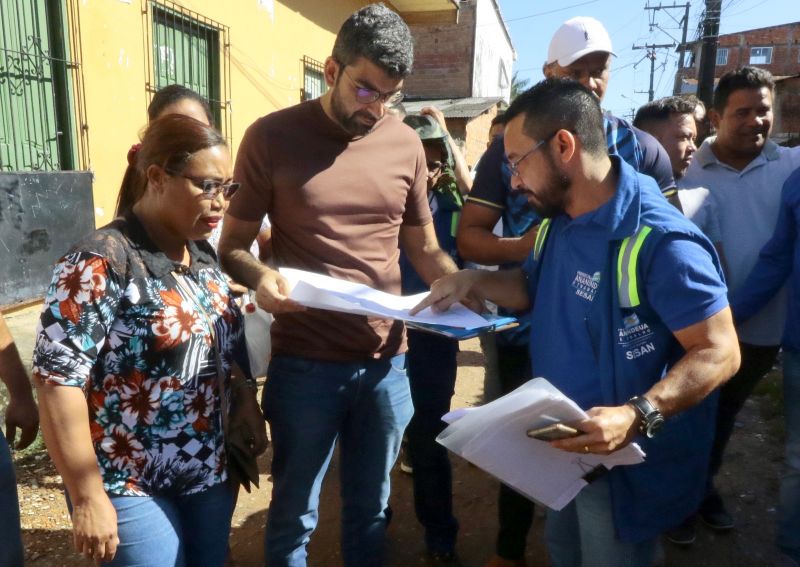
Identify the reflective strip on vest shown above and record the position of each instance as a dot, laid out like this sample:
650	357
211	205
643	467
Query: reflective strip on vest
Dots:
541	236
454	223
627	258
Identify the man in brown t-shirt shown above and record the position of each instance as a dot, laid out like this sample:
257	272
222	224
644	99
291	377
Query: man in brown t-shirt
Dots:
344	185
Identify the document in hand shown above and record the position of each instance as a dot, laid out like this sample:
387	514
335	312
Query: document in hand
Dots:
325	292
494	437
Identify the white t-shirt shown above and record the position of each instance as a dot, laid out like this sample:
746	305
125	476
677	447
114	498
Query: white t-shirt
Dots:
213	240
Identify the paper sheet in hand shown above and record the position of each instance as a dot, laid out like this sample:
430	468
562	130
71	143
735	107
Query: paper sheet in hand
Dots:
494	437
325	292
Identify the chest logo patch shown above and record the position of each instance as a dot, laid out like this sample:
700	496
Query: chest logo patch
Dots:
635	337
586	285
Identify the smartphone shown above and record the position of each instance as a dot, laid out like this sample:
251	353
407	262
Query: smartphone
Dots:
553	432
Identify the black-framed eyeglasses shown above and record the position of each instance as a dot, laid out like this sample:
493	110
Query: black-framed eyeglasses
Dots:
210	187
514	165
368	96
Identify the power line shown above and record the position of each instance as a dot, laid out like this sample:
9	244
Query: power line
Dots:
551	11
747	9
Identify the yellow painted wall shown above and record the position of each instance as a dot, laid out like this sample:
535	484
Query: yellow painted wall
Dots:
268	39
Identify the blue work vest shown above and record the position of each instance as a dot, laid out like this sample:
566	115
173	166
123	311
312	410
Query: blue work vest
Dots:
660	493
445	223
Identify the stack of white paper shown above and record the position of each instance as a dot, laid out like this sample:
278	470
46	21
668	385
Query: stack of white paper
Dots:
325	292
494	437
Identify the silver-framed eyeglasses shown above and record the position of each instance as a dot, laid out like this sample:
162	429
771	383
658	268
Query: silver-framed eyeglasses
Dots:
210	187
368	96
514	165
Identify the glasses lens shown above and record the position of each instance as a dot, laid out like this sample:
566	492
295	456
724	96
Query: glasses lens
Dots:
211	187
366	96
230	189
434	165
394	99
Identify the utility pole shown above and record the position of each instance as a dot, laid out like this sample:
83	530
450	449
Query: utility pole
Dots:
651	55
708	54
684	23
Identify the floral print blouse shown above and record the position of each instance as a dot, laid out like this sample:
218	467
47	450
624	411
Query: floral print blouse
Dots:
117	324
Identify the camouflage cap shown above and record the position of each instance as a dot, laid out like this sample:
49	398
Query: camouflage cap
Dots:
425	126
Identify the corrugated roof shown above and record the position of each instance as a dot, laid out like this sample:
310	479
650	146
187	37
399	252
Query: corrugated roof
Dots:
469	107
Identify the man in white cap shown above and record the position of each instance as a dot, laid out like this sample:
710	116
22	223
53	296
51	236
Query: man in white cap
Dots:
580	49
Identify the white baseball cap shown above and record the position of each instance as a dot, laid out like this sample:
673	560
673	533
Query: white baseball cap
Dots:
578	37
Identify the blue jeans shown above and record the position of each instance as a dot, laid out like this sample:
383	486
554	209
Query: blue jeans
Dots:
431	365
10	540
180	531
582	533
310	404
789	503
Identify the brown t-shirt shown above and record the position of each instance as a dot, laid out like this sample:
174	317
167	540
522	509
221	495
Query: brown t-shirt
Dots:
336	205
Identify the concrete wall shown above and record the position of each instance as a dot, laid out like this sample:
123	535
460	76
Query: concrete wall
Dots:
493	52
268	39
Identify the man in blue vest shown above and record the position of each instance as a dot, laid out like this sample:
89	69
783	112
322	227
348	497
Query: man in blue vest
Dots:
629	318
580	49
431	359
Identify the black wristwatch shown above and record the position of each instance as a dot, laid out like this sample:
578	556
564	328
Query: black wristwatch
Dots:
650	419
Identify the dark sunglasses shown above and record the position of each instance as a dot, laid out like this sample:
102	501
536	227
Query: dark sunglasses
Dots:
210	187
435	165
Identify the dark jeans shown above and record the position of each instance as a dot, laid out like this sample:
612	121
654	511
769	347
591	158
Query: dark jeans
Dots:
515	512
431	366
11	554
756	363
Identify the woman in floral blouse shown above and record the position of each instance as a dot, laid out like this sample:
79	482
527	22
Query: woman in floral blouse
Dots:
137	320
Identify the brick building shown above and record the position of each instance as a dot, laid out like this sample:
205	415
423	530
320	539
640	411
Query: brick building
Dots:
774	48
786	129
464	68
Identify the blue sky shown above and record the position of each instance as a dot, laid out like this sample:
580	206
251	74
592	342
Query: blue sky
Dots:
532	23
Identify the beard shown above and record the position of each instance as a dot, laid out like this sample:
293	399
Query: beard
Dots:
359	123
552	197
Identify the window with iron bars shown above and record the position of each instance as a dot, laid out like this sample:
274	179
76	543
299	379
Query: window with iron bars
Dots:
192	50
314	84
42	109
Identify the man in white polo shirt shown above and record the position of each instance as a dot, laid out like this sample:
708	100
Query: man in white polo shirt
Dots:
744	171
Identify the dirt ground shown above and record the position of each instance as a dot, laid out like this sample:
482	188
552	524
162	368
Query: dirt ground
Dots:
749	482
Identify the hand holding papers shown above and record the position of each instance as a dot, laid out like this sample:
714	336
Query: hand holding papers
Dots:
494	437
325	292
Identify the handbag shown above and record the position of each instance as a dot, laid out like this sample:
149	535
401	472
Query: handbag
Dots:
240	460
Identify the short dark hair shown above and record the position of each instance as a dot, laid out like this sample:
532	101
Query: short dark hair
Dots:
171	94
659	110
742	78
379	35
501	118
559	103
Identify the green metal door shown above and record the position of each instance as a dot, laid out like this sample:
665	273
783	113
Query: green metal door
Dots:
35	132
185	52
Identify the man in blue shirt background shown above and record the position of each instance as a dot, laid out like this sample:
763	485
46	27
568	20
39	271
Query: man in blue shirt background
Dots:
778	262
628	315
